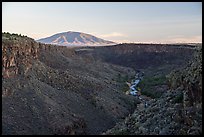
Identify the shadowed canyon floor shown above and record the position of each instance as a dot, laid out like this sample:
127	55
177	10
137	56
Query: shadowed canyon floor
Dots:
49	89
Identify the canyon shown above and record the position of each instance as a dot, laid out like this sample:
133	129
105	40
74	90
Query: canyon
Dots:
49	89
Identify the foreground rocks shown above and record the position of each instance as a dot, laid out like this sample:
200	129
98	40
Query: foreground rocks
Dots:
161	117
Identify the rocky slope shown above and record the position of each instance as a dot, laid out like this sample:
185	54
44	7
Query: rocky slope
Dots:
177	112
50	90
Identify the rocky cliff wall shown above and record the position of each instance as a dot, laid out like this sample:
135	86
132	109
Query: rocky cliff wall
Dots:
189	79
17	56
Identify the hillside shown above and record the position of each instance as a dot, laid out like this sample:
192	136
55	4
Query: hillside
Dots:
48	89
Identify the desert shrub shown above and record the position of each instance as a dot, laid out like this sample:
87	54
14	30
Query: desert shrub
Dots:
147	85
178	98
125	87
120	132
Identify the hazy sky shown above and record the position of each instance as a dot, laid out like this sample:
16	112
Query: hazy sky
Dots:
158	22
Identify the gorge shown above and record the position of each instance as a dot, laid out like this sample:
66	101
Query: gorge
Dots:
48	89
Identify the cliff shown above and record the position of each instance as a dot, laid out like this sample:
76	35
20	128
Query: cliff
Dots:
189	79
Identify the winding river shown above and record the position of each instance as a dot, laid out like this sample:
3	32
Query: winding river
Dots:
134	89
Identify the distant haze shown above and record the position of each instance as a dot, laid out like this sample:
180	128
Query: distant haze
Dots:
140	22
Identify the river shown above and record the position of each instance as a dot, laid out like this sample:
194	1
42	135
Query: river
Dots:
134	89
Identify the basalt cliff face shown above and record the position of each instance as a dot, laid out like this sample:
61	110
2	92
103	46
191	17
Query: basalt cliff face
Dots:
17	56
189	79
142	56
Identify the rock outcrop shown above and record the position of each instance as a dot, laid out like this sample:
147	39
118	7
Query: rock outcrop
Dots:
17	55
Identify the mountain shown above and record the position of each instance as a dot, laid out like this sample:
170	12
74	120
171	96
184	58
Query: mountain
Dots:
71	38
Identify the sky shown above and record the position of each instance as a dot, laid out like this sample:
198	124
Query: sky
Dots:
139	22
